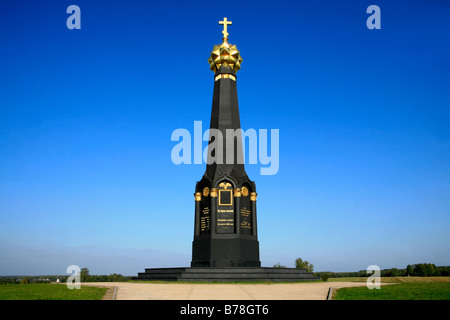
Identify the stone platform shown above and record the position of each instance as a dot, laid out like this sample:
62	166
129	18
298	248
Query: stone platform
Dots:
226	274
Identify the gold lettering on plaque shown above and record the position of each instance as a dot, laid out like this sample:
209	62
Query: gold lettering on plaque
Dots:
225	222
205	220
245	218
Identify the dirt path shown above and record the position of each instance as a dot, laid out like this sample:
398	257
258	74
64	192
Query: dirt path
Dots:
217	291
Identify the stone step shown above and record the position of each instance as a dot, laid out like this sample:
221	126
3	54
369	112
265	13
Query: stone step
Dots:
165	270
227	270
226	274
246	280
247	275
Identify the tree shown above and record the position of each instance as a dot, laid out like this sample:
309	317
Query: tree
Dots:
431	270
325	276
84	275
278	265
116	277
422	270
393	272
299	263
443	271
25	280
409	270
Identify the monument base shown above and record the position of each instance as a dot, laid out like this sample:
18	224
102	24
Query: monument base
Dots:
229	252
226	274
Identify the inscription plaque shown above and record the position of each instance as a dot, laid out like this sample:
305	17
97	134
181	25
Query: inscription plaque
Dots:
245	212
246	221
225	209
205	224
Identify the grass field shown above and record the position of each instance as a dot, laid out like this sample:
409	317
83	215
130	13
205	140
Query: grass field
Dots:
407	288
47	291
395	279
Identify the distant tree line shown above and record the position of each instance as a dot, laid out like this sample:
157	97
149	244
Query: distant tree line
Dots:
427	270
299	263
84	277
415	270
26	279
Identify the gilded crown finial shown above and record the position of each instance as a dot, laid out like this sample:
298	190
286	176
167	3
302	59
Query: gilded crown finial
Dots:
225	54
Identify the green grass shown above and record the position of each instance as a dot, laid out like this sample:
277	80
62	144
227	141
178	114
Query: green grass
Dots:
47	291
393	279
403	291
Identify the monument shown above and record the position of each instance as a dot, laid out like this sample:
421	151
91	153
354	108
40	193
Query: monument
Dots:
225	245
225	198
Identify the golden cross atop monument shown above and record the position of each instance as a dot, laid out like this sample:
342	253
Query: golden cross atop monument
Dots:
225	23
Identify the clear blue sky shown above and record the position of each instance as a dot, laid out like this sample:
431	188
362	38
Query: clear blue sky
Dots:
86	118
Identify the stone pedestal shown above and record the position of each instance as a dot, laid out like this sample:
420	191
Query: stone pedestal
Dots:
213	274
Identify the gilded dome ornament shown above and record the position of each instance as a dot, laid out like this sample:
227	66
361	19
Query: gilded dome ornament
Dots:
225	54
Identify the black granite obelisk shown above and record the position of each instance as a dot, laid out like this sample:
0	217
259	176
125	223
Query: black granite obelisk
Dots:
225	246
225	232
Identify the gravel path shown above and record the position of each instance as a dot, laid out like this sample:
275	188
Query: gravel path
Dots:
217	291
